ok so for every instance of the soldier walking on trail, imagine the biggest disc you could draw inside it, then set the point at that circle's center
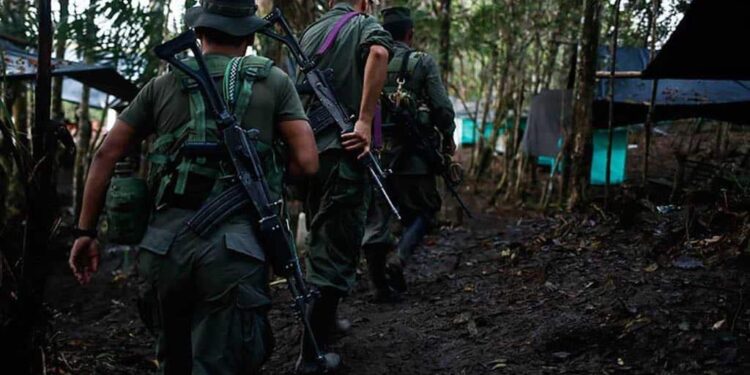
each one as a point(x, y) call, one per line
point(337, 197)
point(414, 87)
point(206, 296)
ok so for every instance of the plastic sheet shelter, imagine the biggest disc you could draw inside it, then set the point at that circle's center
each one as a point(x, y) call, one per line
point(707, 44)
point(18, 64)
point(676, 99)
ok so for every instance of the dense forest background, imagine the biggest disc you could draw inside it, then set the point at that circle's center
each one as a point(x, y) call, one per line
point(495, 56)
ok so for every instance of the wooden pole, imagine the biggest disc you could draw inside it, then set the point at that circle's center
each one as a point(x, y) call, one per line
point(610, 125)
point(654, 90)
point(40, 200)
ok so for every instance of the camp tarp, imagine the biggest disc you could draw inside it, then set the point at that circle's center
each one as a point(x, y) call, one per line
point(707, 44)
point(675, 99)
point(20, 65)
point(546, 113)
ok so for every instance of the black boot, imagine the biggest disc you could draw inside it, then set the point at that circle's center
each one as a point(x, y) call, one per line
point(376, 266)
point(322, 317)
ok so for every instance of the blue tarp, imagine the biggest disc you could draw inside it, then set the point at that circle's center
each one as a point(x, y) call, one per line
point(675, 99)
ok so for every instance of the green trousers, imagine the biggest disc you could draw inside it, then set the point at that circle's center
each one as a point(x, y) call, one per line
point(206, 298)
point(414, 195)
point(336, 207)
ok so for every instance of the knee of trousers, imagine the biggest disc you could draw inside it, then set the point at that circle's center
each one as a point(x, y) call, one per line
point(232, 335)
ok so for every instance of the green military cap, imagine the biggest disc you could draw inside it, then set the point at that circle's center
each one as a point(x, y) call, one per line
point(397, 16)
point(234, 17)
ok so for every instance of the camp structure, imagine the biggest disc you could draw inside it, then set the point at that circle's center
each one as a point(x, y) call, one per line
point(704, 44)
point(675, 99)
point(19, 64)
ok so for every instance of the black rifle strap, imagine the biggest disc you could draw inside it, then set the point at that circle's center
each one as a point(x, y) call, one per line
point(403, 73)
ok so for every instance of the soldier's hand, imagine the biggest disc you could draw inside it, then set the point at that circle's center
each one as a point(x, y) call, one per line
point(84, 258)
point(359, 139)
point(449, 147)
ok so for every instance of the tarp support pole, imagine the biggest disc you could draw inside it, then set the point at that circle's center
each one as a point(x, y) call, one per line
point(610, 124)
point(654, 89)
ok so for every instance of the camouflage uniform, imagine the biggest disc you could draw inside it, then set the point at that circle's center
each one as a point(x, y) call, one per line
point(207, 297)
point(337, 198)
point(413, 182)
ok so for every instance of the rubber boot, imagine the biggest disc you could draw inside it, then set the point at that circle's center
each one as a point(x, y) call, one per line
point(322, 317)
point(376, 267)
point(412, 237)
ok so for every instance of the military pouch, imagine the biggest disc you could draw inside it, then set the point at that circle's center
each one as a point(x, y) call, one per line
point(320, 119)
point(127, 210)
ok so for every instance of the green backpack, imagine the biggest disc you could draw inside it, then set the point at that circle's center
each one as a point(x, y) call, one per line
point(169, 170)
point(401, 102)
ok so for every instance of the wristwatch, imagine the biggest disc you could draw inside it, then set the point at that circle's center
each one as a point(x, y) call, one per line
point(78, 232)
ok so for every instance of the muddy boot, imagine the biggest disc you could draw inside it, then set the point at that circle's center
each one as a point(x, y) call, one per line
point(322, 317)
point(411, 238)
point(377, 270)
point(342, 326)
point(394, 273)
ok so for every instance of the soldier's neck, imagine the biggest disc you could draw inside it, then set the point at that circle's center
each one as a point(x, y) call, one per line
point(223, 50)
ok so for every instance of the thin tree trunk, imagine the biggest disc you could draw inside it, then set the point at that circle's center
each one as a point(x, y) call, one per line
point(654, 89)
point(611, 120)
point(60, 41)
point(83, 144)
point(583, 102)
point(445, 39)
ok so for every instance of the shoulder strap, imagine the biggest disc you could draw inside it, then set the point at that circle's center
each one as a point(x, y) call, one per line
point(403, 73)
point(333, 34)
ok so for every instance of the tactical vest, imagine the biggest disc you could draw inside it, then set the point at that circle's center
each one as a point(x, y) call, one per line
point(399, 94)
point(171, 172)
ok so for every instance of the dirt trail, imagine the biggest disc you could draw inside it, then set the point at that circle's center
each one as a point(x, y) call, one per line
point(510, 293)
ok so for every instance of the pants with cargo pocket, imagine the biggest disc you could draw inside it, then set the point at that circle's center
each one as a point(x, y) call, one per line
point(206, 297)
point(336, 207)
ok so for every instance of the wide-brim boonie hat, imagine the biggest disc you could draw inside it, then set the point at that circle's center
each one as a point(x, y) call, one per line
point(234, 17)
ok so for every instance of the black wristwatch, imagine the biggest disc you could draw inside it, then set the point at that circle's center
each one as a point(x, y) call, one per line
point(78, 232)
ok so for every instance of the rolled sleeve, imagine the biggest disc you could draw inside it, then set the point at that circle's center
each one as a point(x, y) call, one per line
point(374, 34)
point(289, 106)
point(140, 112)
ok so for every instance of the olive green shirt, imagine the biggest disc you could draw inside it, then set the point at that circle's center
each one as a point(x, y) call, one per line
point(163, 105)
point(426, 83)
point(347, 58)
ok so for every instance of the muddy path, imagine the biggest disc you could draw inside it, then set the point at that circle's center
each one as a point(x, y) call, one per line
point(509, 293)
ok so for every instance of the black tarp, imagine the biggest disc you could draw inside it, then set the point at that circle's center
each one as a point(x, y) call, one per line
point(675, 99)
point(21, 65)
point(707, 44)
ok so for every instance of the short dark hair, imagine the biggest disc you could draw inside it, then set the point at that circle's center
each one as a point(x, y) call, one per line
point(214, 36)
point(399, 30)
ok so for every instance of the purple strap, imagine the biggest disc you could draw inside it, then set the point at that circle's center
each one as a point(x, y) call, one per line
point(334, 33)
point(377, 128)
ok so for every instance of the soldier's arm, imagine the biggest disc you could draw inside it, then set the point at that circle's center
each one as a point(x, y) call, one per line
point(439, 102)
point(116, 145)
point(376, 70)
point(129, 129)
point(293, 127)
point(84, 256)
point(303, 152)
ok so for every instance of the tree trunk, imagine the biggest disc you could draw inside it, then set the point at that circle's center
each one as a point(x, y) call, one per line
point(156, 28)
point(60, 41)
point(583, 102)
point(83, 145)
point(445, 39)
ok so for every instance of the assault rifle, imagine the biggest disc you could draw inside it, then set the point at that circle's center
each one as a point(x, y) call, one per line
point(240, 145)
point(331, 110)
